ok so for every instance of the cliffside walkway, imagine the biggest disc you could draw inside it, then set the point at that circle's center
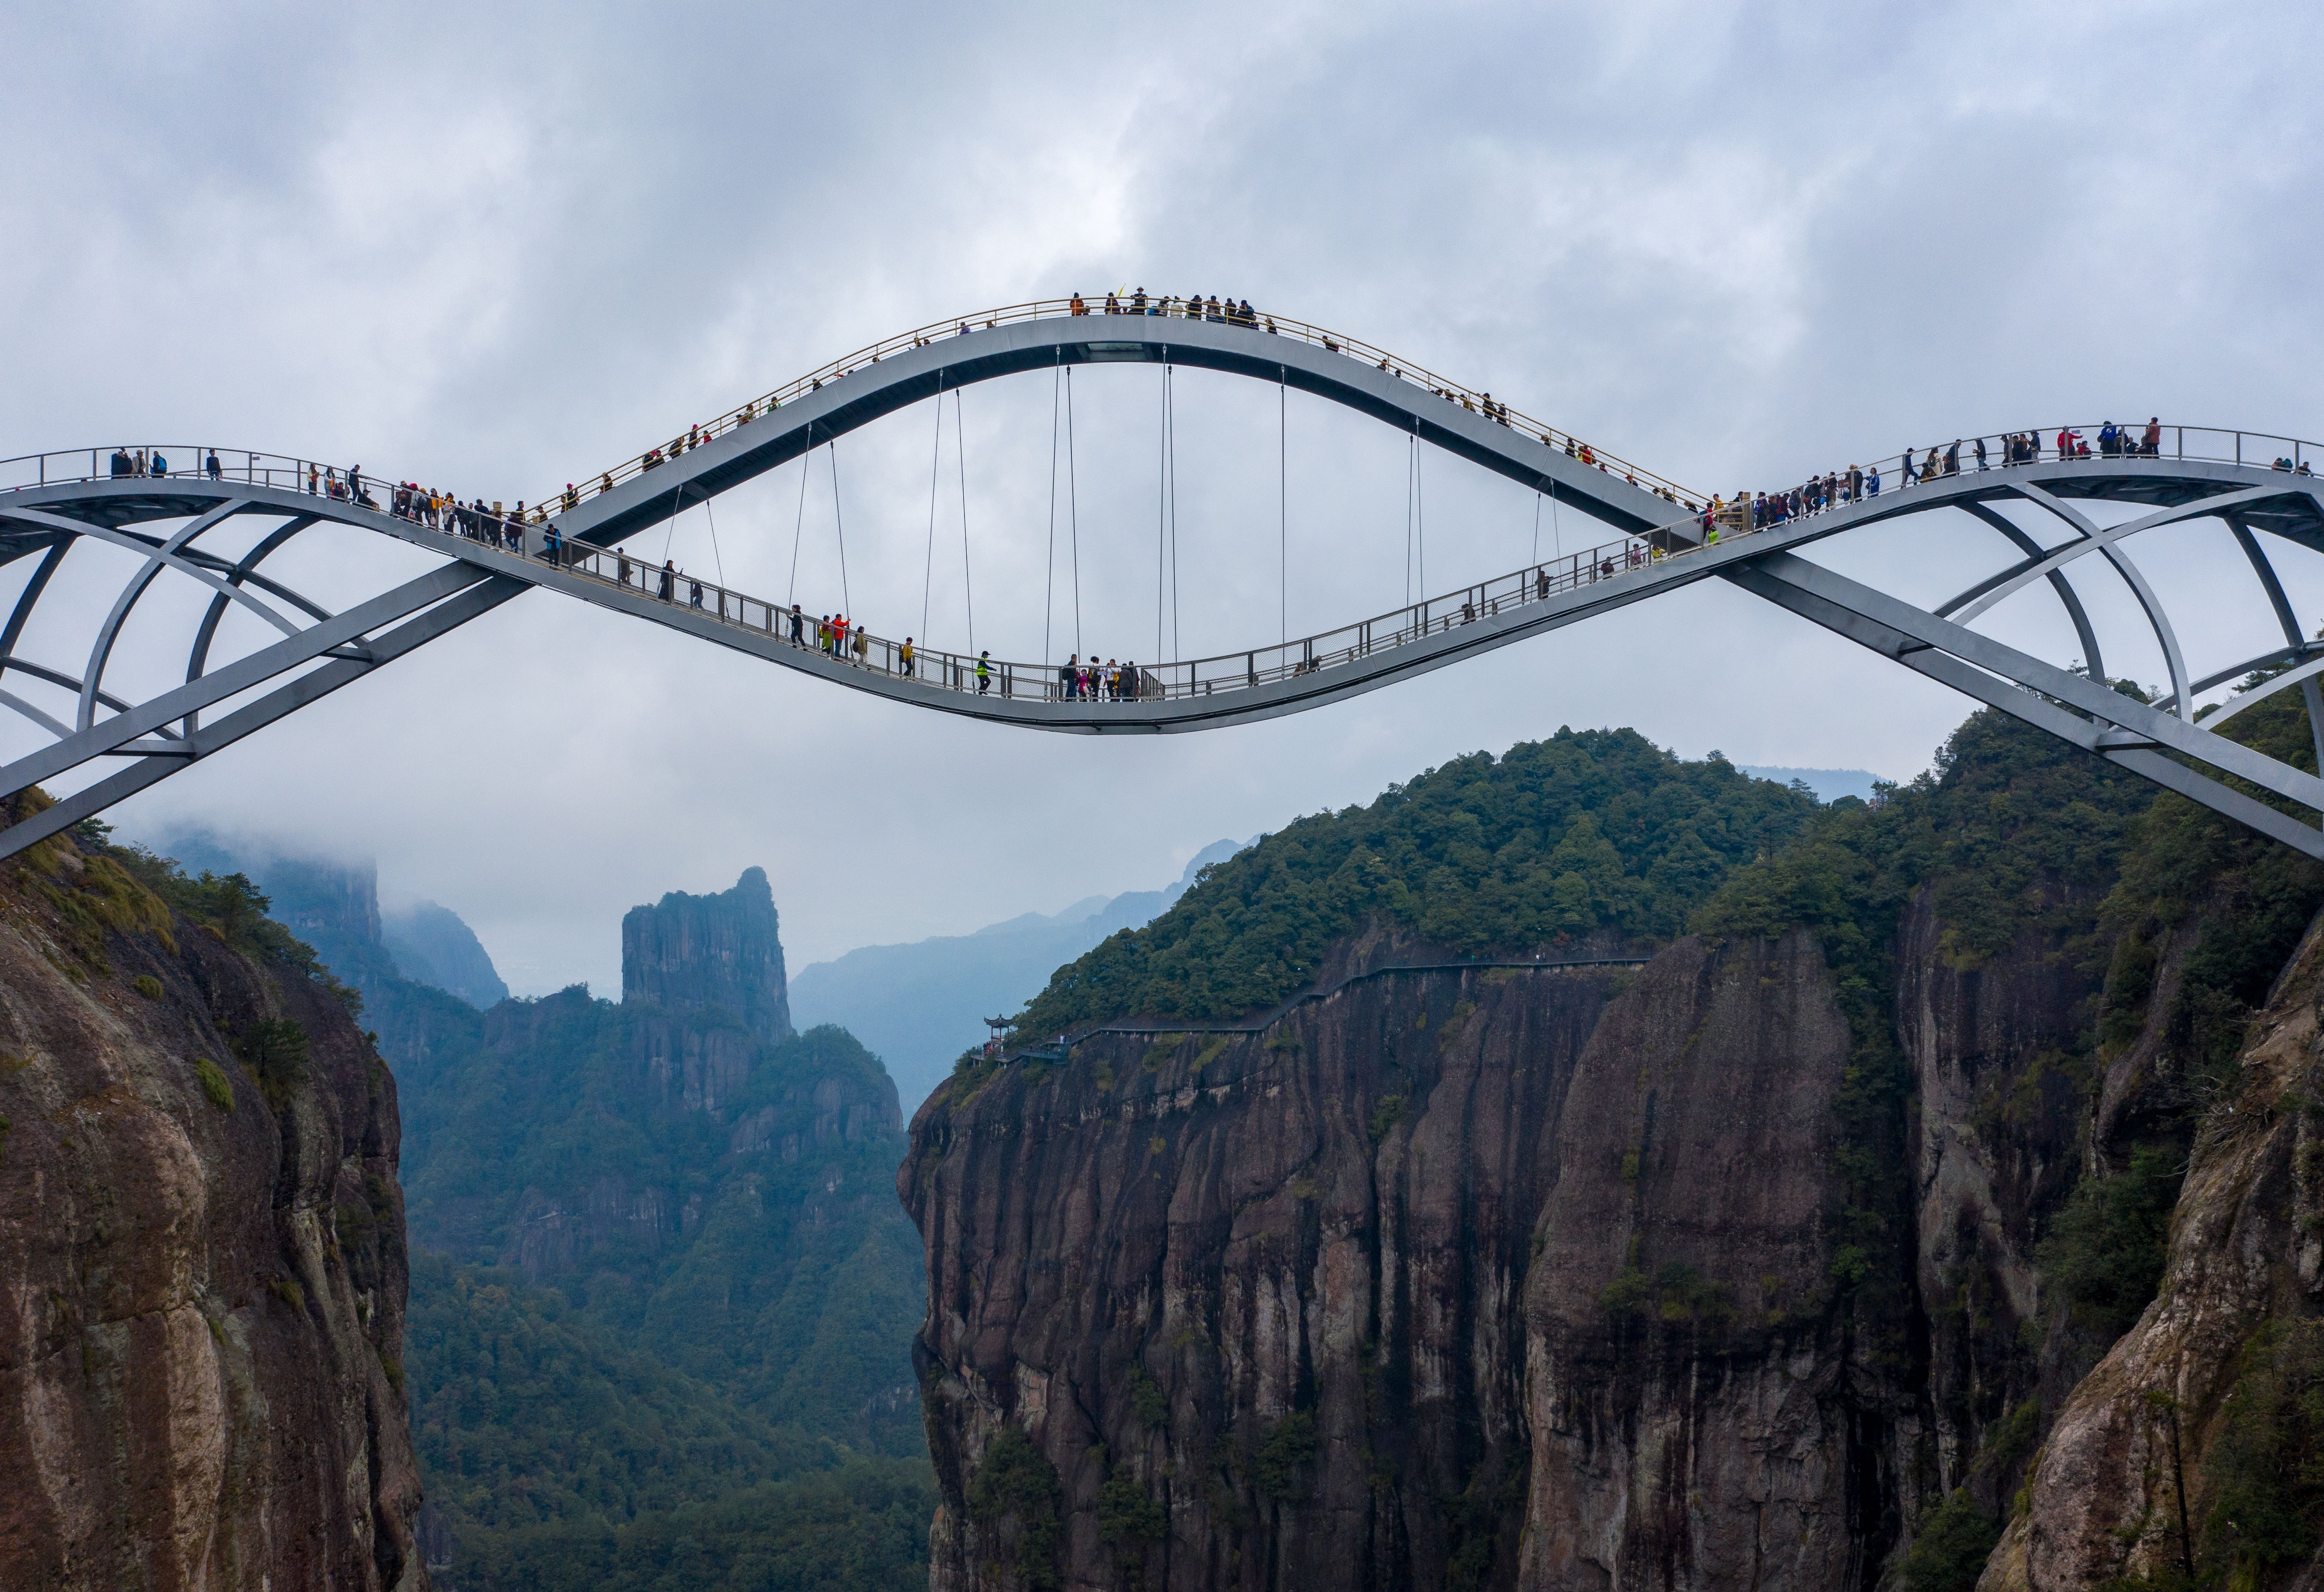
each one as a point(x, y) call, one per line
point(1061, 1047)
point(1658, 535)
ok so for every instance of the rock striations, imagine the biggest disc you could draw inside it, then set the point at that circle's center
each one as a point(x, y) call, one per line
point(1453, 1270)
point(1810, 1254)
point(201, 1252)
point(721, 952)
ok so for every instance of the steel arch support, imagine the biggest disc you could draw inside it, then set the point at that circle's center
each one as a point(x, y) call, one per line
point(2109, 543)
point(145, 546)
point(2029, 689)
point(151, 769)
point(198, 657)
point(2296, 643)
point(161, 558)
point(241, 674)
point(2070, 598)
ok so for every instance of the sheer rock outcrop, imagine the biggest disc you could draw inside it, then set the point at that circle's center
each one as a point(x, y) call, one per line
point(202, 1275)
point(701, 953)
point(1489, 1277)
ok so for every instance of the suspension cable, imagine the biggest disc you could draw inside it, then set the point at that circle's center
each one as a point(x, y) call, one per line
point(839, 524)
point(1049, 591)
point(806, 460)
point(1411, 463)
point(715, 556)
point(1169, 390)
point(1282, 509)
point(935, 453)
point(1161, 507)
point(1536, 557)
point(1073, 507)
point(960, 452)
point(1419, 514)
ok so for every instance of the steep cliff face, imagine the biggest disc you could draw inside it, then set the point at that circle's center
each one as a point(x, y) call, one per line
point(201, 1254)
point(2188, 1456)
point(1455, 1278)
point(723, 951)
point(1698, 1417)
point(1995, 1050)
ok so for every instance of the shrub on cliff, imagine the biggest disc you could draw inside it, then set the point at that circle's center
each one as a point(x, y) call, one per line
point(1588, 831)
point(2105, 1252)
point(1015, 1500)
point(1954, 1541)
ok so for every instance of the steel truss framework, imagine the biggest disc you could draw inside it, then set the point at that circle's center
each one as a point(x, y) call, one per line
point(163, 522)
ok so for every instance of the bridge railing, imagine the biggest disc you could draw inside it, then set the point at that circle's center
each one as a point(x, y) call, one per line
point(193, 461)
point(1127, 680)
point(1900, 472)
point(1210, 676)
point(1126, 306)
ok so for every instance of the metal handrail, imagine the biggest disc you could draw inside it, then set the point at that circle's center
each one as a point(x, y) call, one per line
point(1900, 472)
point(1017, 680)
point(1157, 306)
point(1179, 679)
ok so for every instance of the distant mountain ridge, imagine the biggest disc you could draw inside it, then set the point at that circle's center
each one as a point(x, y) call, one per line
point(333, 907)
point(919, 1006)
point(1829, 784)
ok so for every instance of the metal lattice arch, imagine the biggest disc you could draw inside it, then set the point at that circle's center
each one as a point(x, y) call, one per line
point(1656, 542)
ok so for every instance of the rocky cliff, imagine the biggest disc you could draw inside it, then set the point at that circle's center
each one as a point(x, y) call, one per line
point(2193, 1454)
point(1782, 1261)
point(1457, 1277)
point(692, 1186)
point(201, 1249)
point(723, 951)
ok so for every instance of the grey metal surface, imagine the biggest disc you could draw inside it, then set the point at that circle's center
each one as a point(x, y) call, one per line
point(321, 650)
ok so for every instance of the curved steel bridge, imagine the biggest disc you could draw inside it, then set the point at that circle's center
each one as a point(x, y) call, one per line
point(1659, 537)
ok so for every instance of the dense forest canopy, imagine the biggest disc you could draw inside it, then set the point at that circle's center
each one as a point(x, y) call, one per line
point(1589, 833)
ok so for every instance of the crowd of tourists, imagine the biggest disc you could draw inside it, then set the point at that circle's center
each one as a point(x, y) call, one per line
point(1758, 511)
point(1092, 681)
point(1222, 312)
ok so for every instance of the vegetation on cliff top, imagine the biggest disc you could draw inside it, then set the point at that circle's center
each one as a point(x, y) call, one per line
point(1588, 833)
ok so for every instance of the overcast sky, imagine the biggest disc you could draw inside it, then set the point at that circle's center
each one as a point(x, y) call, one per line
point(497, 248)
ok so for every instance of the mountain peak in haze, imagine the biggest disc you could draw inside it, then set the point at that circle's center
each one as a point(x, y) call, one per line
point(693, 952)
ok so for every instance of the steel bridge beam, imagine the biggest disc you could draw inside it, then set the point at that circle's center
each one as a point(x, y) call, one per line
point(2024, 687)
point(336, 648)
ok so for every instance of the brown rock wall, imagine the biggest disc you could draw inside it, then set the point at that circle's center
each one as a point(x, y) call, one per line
point(2103, 1499)
point(1464, 1278)
point(201, 1309)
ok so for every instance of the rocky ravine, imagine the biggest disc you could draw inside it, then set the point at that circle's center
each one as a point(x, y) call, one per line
point(201, 1278)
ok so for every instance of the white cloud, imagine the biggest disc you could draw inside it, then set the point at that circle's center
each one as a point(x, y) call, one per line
point(500, 249)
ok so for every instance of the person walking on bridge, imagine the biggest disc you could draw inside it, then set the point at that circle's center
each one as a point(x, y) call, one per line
point(1069, 678)
point(669, 579)
point(983, 672)
point(904, 657)
point(798, 624)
